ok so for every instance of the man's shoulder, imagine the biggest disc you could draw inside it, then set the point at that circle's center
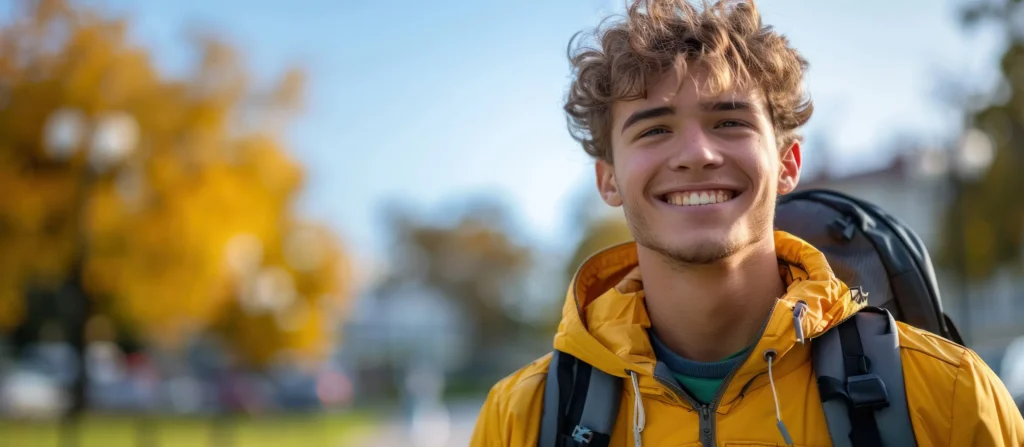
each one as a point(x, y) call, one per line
point(948, 382)
point(931, 357)
point(511, 413)
point(524, 383)
point(919, 343)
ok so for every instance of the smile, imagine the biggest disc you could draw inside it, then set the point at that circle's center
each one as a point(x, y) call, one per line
point(698, 197)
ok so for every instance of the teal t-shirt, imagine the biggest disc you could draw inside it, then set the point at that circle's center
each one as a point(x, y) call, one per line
point(700, 379)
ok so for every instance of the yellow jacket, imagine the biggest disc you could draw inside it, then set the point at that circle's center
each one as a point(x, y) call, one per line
point(953, 396)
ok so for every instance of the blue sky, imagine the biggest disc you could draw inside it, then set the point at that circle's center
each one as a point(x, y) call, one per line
point(431, 102)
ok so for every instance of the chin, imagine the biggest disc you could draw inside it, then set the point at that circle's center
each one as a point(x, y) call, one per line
point(699, 252)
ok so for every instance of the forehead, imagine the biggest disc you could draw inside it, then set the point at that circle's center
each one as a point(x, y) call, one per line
point(687, 90)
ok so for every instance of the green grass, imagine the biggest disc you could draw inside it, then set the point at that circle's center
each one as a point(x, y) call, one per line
point(110, 431)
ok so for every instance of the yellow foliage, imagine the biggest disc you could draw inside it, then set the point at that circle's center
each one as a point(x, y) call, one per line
point(157, 226)
point(302, 326)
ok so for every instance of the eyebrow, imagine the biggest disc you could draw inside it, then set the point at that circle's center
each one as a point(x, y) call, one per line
point(716, 106)
point(647, 114)
point(726, 106)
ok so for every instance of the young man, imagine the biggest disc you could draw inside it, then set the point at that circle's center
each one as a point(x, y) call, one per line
point(691, 113)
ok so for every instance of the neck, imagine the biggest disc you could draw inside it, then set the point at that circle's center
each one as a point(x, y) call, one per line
point(708, 312)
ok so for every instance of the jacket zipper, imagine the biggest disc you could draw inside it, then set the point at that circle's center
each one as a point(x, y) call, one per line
point(707, 412)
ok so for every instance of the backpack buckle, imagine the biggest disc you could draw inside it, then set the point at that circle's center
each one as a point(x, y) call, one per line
point(841, 229)
point(867, 391)
point(582, 434)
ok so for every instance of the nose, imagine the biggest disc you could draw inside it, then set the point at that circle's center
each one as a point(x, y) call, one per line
point(694, 150)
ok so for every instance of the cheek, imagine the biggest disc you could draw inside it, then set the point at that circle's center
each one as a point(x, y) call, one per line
point(634, 173)
point(765, 163)
point(755, 164)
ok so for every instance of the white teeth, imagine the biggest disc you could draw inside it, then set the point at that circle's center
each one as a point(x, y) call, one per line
point(694, 198)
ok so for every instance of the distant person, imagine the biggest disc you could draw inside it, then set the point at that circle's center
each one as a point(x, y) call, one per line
point(691, 113)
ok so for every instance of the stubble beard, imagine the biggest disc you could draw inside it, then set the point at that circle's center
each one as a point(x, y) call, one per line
point(704, 252)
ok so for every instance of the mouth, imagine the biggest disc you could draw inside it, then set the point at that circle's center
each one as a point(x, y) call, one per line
point(696, 198)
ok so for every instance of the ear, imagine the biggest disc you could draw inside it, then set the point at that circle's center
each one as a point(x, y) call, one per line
point(606, 183)
point(789, 168)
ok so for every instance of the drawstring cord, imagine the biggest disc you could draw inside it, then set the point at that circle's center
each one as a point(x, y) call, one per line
point(639, 418)
point(798, 319)
point(769, 355)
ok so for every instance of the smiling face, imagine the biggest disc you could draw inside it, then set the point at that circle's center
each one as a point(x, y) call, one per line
point(696, 174)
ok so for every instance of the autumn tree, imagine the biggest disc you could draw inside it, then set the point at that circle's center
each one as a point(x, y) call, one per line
point(193, 227)
point(473, 261)
point(284, 310)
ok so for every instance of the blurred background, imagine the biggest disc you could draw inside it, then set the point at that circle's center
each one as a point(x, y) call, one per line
point(338, 223)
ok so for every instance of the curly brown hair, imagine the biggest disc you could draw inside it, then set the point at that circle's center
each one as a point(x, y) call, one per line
point(655, 36)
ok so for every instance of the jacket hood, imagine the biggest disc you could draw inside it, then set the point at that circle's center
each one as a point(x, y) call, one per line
point(605, 322)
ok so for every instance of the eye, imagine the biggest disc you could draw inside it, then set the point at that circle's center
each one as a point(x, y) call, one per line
point(653, 132)
point(732, 123)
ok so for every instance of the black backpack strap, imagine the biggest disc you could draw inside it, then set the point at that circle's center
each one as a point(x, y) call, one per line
point(860, 380)
point(954, 333)
point(581, 404)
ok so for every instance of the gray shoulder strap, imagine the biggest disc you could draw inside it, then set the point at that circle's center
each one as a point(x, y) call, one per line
point(600, 403)
point(880, 340)
point(549, 417)
point(601, 407)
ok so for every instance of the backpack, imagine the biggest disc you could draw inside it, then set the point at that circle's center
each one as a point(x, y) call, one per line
point(857, 363)
point(869, 248)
